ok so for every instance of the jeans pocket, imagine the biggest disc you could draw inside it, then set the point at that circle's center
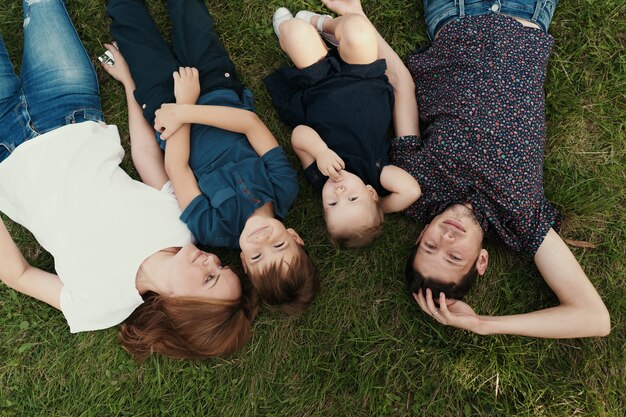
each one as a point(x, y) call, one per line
point(5, 150)
point(85, 115)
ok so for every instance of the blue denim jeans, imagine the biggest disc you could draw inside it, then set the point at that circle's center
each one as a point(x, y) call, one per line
point(439, 12)
point(57, 84)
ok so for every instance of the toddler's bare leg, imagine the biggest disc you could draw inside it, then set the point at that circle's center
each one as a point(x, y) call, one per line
point(357, 38)
point(302, 43)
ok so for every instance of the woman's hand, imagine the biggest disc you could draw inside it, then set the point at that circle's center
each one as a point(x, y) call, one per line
point(342, 7)
point(168, 119)
point(186, 85)
point(451, 312)
point(330, 164)
point(119, 70)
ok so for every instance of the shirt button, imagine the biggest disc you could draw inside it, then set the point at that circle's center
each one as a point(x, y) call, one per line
point(495, 8)
point(226, 74)
point(143, 106)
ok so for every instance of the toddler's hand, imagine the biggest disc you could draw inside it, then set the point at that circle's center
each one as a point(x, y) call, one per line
point(119, 70)
point(330, 164)
point(186, 85)
point(168, 119)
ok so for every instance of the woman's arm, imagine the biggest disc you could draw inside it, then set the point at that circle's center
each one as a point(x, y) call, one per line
point(310, 147)
point(403, 187)
point(580, 313)
point(145, 151)
point(16, 273)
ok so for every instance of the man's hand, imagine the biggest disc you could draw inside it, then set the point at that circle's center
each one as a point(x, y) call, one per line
point(342, 7)
point(119, 70)
point(168, 119)
point(186, 85)
point(451, 312)
point(330, 164)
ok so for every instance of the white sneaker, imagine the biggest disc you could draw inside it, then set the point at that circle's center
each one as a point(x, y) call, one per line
point(307, 16)
point(282, 14)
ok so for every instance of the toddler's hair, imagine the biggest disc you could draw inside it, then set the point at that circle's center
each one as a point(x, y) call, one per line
point(290, 289)
point(360, 235)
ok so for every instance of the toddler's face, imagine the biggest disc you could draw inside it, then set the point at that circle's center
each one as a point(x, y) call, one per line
point(348, 202)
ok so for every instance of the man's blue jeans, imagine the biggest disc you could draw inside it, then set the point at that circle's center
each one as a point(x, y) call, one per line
point(57, 84)
point(439, 12)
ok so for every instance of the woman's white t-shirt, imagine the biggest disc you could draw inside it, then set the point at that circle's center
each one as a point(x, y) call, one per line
point(67, 188)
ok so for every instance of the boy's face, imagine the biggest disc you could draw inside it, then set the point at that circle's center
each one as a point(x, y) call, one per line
point(348, 202)
point(265, 241)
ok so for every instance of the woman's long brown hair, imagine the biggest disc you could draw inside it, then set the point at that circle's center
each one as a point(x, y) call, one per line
point(189, 327)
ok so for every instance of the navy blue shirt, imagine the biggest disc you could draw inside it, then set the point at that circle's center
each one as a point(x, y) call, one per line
point(350, 106)
point(479, 89)
point(233, 179)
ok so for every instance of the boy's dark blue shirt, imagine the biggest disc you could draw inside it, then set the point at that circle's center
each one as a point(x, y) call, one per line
point(233, 179)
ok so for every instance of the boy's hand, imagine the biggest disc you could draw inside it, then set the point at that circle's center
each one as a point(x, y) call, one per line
point(119, 70)
point(330, 164)
point(186, 85)
point(342, 7)
point(168, 119)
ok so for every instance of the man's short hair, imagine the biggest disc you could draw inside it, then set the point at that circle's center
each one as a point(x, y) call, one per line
point(416, 282)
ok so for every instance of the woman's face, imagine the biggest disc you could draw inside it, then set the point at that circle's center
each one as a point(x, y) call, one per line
point(196, 273)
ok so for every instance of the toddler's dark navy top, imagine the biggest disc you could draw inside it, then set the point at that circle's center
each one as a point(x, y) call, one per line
point(233, 179)
point(479, 89)
point(349, 106)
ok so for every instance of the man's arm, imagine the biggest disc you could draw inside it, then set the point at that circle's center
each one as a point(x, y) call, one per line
point(580, 313)
point(145, 151)
point(16, 273)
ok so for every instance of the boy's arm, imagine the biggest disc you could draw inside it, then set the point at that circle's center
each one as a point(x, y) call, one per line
point(145, 151)
point(310, 147)
point(405, 114)
point(403, 187)
point(171, 116)
point(186, 91)
point(16, 273)
point(581, 312)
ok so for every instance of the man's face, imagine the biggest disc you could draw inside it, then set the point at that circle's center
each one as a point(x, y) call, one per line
point(450, 245)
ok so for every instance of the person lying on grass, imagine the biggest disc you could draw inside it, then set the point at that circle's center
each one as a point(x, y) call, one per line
point(340, 103)
point(120, 252)
point(232, 181)
point(479, 90)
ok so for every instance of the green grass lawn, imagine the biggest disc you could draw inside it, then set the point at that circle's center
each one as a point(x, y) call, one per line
point(364, 349)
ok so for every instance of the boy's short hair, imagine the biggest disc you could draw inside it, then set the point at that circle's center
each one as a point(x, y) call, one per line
point(290, 289)
point(362, 235)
